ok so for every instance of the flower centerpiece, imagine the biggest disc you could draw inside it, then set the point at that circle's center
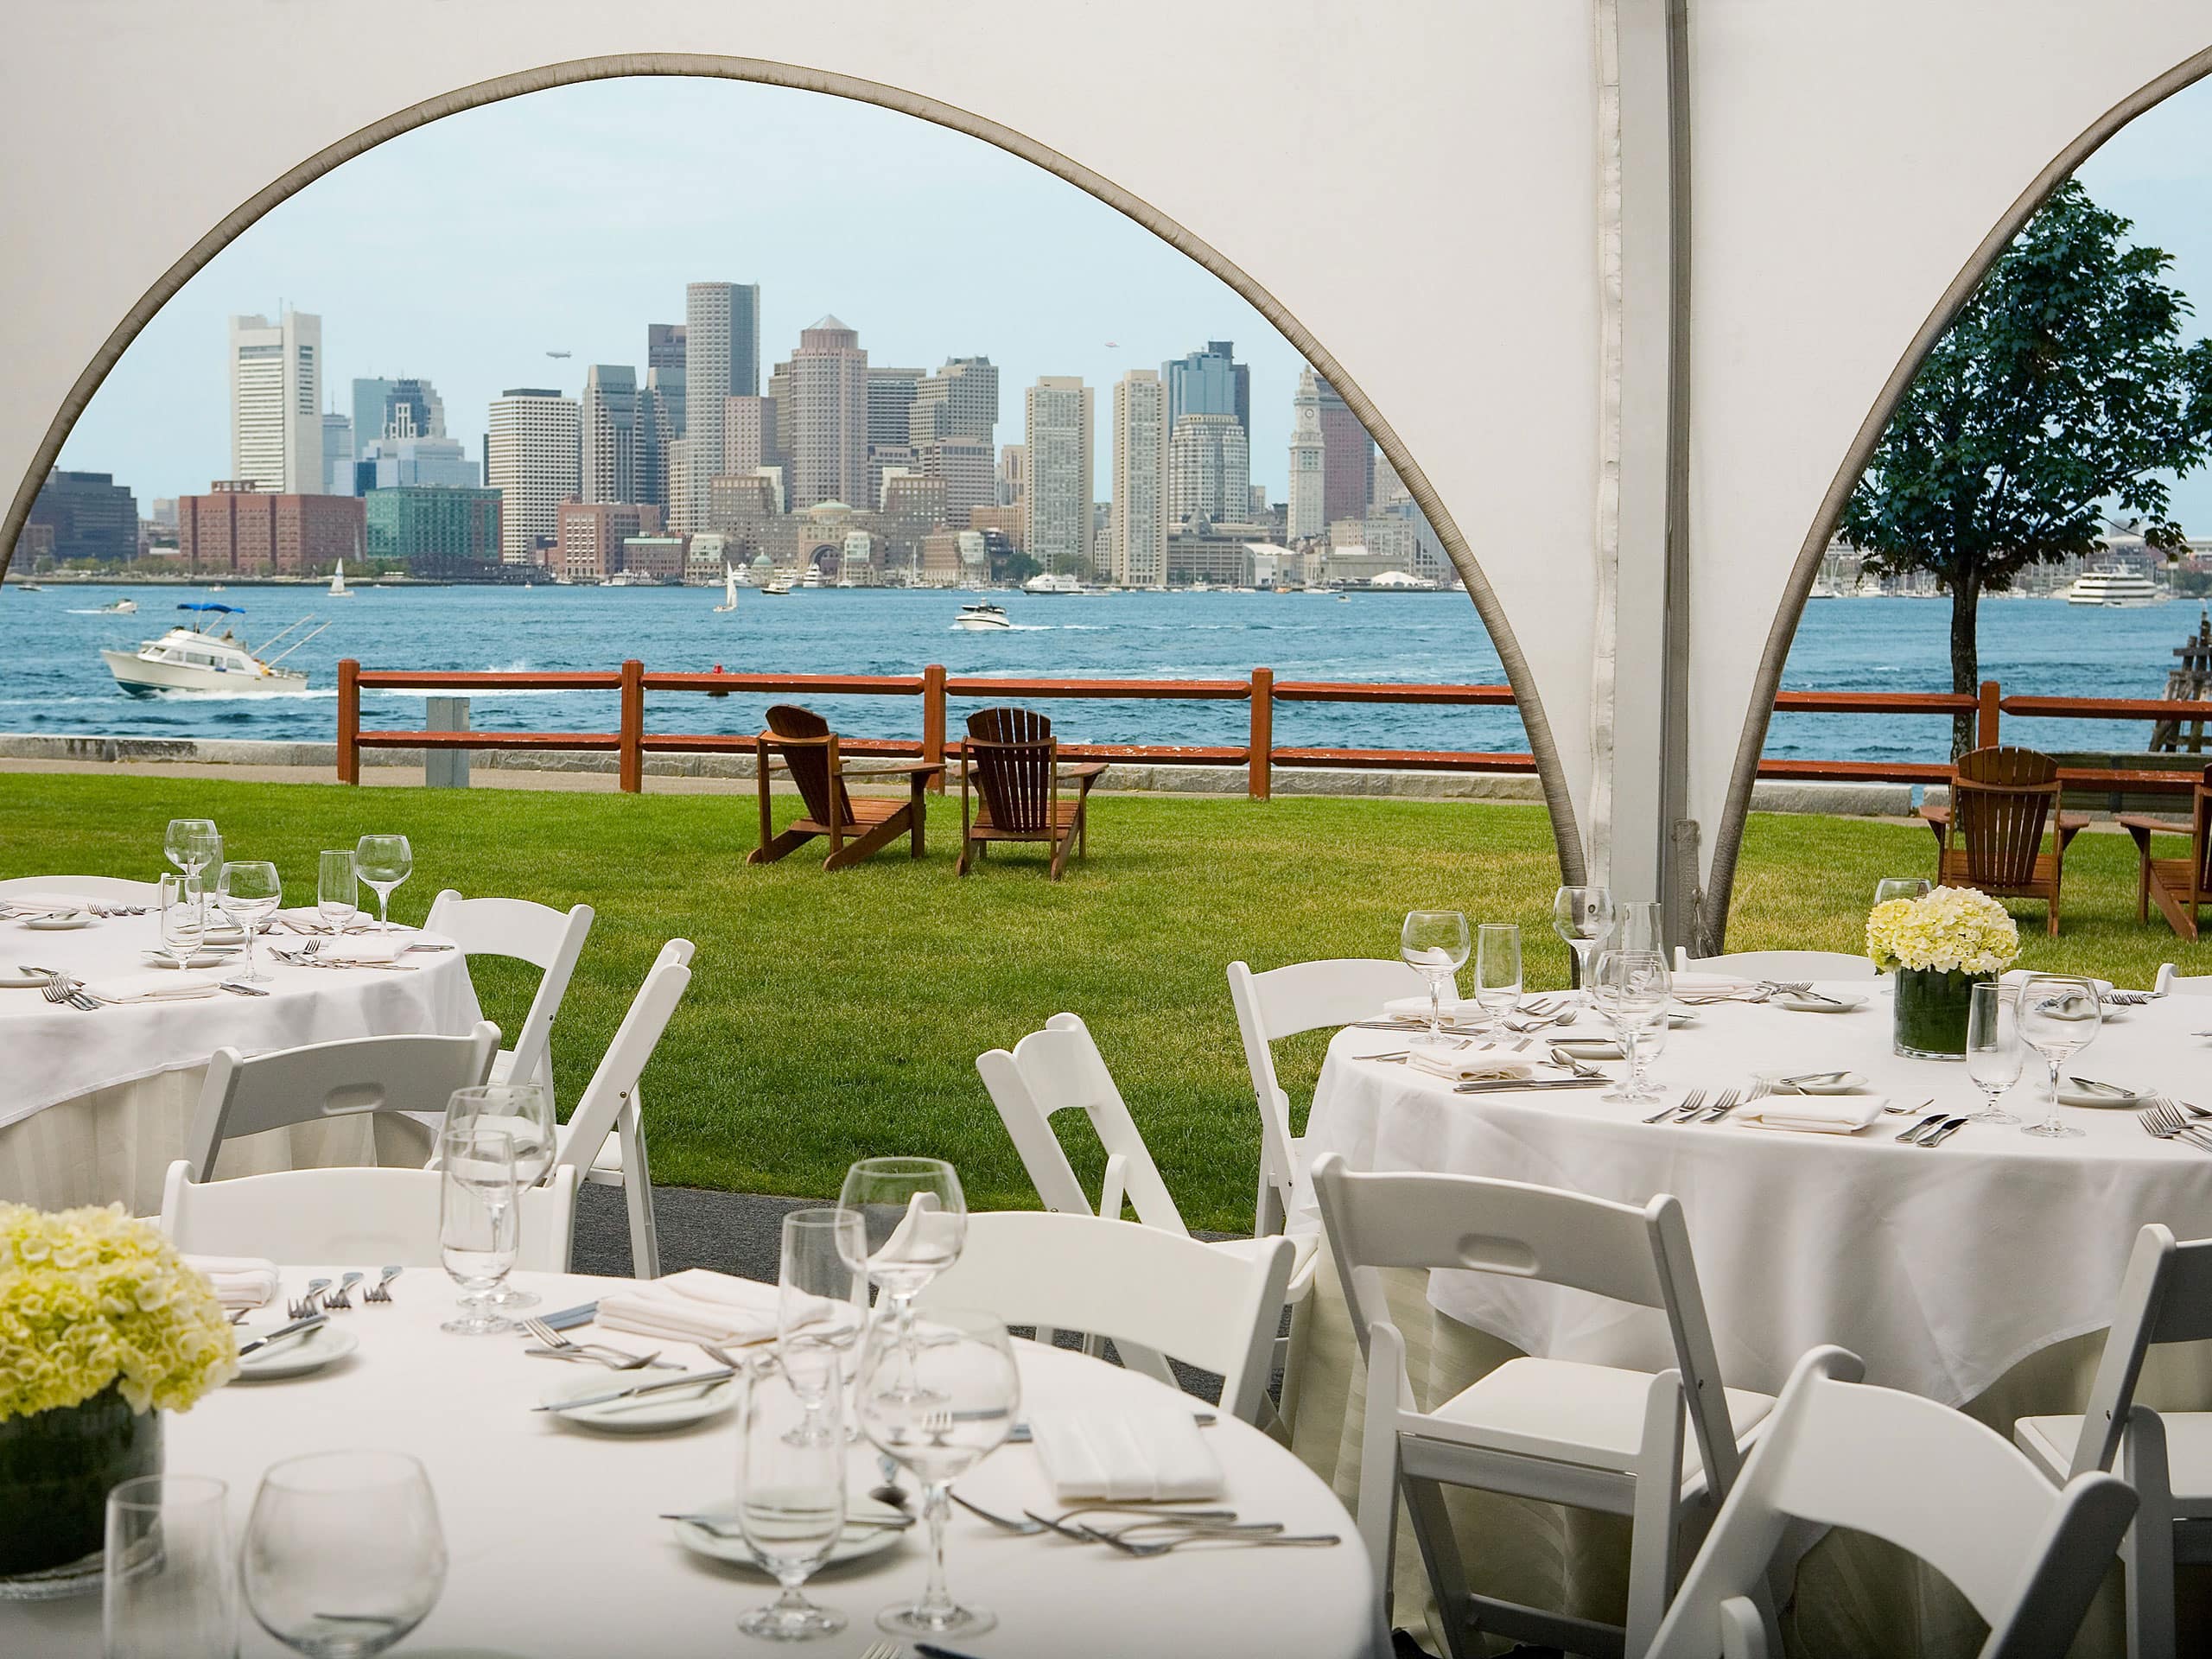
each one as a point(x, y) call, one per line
point(102, 1324)
point(1938, 946)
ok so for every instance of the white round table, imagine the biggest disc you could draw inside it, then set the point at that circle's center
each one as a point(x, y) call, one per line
point(556, 1549)
point(93, 1106)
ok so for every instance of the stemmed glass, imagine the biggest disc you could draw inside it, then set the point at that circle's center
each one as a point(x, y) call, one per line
point(1434, 945)
point(791, 1495)
point(524, 1113)
point(2059, 1015)
point(938, 1405)
point(168, 1587)
point(193, 845)
point(1643, 925)
point(821, 1305)
point(1633, 991)
point(1993, 1056)
point(1583, 917)
point(479, 1227)
point(384, 863)
point(1497, 973)
point(343, 1553)
point(183, 924)
point(1892, 887)
point(913, 1222)
point(337, 890)
point(248, 892)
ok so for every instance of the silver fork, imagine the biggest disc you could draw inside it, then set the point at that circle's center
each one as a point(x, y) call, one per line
point(880, 1650)
point(2164, 1122)
point(1760, 1088)
point(381, 1291)
point(60, 988)
point(620, 1359)
point(343, 1297)
point(1688, 1103)
point(305, 1305)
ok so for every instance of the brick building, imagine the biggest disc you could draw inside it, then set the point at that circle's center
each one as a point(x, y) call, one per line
point(239, 529)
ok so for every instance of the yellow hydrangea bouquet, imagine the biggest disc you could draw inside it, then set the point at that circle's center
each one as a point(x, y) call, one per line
point(1938, 946)
point(102, 1324)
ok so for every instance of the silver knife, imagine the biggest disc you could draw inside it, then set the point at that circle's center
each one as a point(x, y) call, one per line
point(1509, 1086)
point(2096, 1087)
point(296, 1328)
point(695, 1379)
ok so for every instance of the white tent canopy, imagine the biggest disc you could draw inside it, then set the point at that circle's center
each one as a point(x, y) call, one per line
point(1671, 256)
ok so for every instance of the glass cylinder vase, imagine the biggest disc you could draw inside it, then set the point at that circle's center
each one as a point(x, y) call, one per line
point(1931, 1009)
point(57, 1470)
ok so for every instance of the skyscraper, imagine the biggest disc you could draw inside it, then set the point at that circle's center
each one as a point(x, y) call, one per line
point(1209, 470)
point(1347, 459)
point(1013, 475)
point(531, 460)
point(276, 403)
point(826, 440)
point(337, 452)
point(660, 427)
point(891, 394)
point(961, 400)
point(1308, 512)
point(1138, 528)
point(748, 436)
point(368, 413)
point(964, 465)
point(1210, 382)
point(721, 358)
point(609, 451)
point(1056, 519)
point(664, 347)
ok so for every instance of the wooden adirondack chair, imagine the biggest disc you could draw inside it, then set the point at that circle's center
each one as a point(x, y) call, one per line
point(2179, 884)
point(2002, 799)
point(1015, 760)
point(856, 828)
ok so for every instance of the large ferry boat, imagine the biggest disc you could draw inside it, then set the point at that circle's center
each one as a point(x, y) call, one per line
point(194, 659)
point(1052, 583)
point(2115, 587)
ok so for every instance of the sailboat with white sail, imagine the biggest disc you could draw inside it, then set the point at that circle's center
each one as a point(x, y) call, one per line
point(338, 587)
point(730, 591)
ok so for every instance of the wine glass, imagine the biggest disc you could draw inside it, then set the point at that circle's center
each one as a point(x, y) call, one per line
point(1497, 973)
point(1643, 925)
point(248, 892)
point(478, 1224)
point(821, 1304)
point(2059, 1015)
point(791, 1495)
point(337, 890)
point(524, 1113)
point(193, 845)
point(1633, 991)
point(168, 1587)
point(343, 1553)
point(938, 1405)
point(1583, 917)
point(913, 1222)
point(1993, 1056)
point(384, 863)
point(1434, 944)
point(1892, 887)
point(183, 923)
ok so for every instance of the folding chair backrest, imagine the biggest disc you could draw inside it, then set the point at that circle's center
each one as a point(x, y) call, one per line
point(326, 1080)
point(548, 939)
point(106, 889)
point(809, 760)
point(616, 1079)
point(1013, 753)
point(1779, 964)
point(1929, 1480)
point(2001, 800)
point(327, 1217)
point(1060, 1069)
point(1207, 1307)
point(2164, 1296)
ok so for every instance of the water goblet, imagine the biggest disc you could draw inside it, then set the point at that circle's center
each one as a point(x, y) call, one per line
point(2059, 1015)
point(821, 1304)
point(1993, 1056)
point(183, 923)
point(193, 845)
point(791, 1495)
point(1633, 991)
point(1434, 944)
point(1497, 973)
point(1891, 888)
point(913, 1222)
point(337, 890)
point(343, 1553)
point(1583, 917)
point(524, 1113)
point(1643, 926)
point(169, 1588)
point(248, 892)
point(384, 863)
point(478, 1222)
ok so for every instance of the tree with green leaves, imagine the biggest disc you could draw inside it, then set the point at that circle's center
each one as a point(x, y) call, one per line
point(2060, 393)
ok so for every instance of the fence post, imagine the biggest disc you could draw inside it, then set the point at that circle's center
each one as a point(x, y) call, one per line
point(1259, 765)
point(1985, 727)
point(933, 721)
point(349, 722)
point(633, 751)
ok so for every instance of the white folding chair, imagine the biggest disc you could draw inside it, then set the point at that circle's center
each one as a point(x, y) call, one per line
point(546, 938)
point(605, 1137)
point(2174, 982)
point(2166, 1296)
point(1929, 1480)
point(376, 1216)
point(1139, 1285)
point(325, 1080)
point(1280, 1003)
point(1596, 1437)
point(106, 889)
point(1779, 964)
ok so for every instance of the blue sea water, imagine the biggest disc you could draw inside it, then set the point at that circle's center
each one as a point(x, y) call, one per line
point(54, 682)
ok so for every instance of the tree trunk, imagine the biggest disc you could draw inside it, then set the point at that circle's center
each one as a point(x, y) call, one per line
point(1966, 656)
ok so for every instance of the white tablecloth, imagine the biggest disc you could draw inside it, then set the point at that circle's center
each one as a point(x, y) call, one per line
point(94, 1105)
point(1941, 1268)
point(556, 1551)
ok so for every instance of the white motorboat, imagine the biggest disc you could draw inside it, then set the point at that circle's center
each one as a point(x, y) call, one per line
point(980, 618)
point(730, 591)
point(776, 586)
point(195, 660)
point(338, 587)
point(1049, 583)
point(120, 607)
point(812, 578)
point(2115, 587)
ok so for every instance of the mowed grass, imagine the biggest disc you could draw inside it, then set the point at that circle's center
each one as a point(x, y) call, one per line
point(832, 1017)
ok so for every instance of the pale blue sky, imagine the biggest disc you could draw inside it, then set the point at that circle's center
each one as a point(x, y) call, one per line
point(570, 219)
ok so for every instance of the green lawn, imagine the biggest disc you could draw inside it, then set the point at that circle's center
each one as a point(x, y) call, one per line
point(837, 1016)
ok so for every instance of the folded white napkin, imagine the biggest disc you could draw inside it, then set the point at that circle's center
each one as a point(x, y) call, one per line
point(925, 1233)
point(694, 1305)
point(53, 904)
point(1711, 987)
point(1121, 1457)
point(240, 1280)
point(1816, 1114)
point(1484, 1063)
point(378, 947)
point(1455, 1012)
point(170, 986)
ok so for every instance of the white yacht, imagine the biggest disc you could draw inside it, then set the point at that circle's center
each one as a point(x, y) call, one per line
point(194, 659)
point(1050, 583)
point(730, 591)
point(776, 586)
point(979, 619)
point(338, 587)
point(120, 607)
point(812, 578)
point(2115, 587)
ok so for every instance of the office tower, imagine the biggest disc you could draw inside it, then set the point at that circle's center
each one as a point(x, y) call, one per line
point(660, 426)
point(531, 458)
point(407, 407)
point(826, 443)
point(337, 454)
point(1013, 475)
point(443, 532)
point(591, 534)
point(665, 348)
point(961, 400)
point(1390, 490)
point(1308, 509)
point(1347, 459)
point(748, 436)
point(1055, 522)
point(1210, 382)
point(891, 395)
point(86, 516)
point(1137, 532)
point(369, 396)
point(405, 463)
point(276, 403)
point(721, 358)
point(964, 465)
point(1209, 470)
point(609, 451)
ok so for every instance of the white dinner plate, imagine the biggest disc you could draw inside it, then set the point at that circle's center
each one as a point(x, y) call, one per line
point(679, 1410)
point(1846, 1082)
point(1589, 1048)
point(58, 924)
point(1797, 1004)
point(1456, 1012)
point(296, 1355)
point(2070, 1095)
point(860, 1540)
point(213, 957)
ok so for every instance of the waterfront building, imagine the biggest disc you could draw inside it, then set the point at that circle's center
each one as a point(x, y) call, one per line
point(886, 461)
point(1137, 532)
point(738, 500)
point(826, 443)
point(531, 459)
point(337, 454)
point(1347, 459)
point(775, 477)
point(1004, 522)
point(82, 516)
point(276, 403)
point(238, 530)
point(654, 558)
point(953, 558)
point(1209, 470)
point(912, 495)
point(664, 348)
point(660, 426)
point(1012, 474)
point(1308, 505)
point(1210, 382)
point(721, 358)
point(439, 530)
point(1219, 555)
point(591, 535)
point(705, 556)
point(963, 465)
point(608, 452)
point(1057, 502)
